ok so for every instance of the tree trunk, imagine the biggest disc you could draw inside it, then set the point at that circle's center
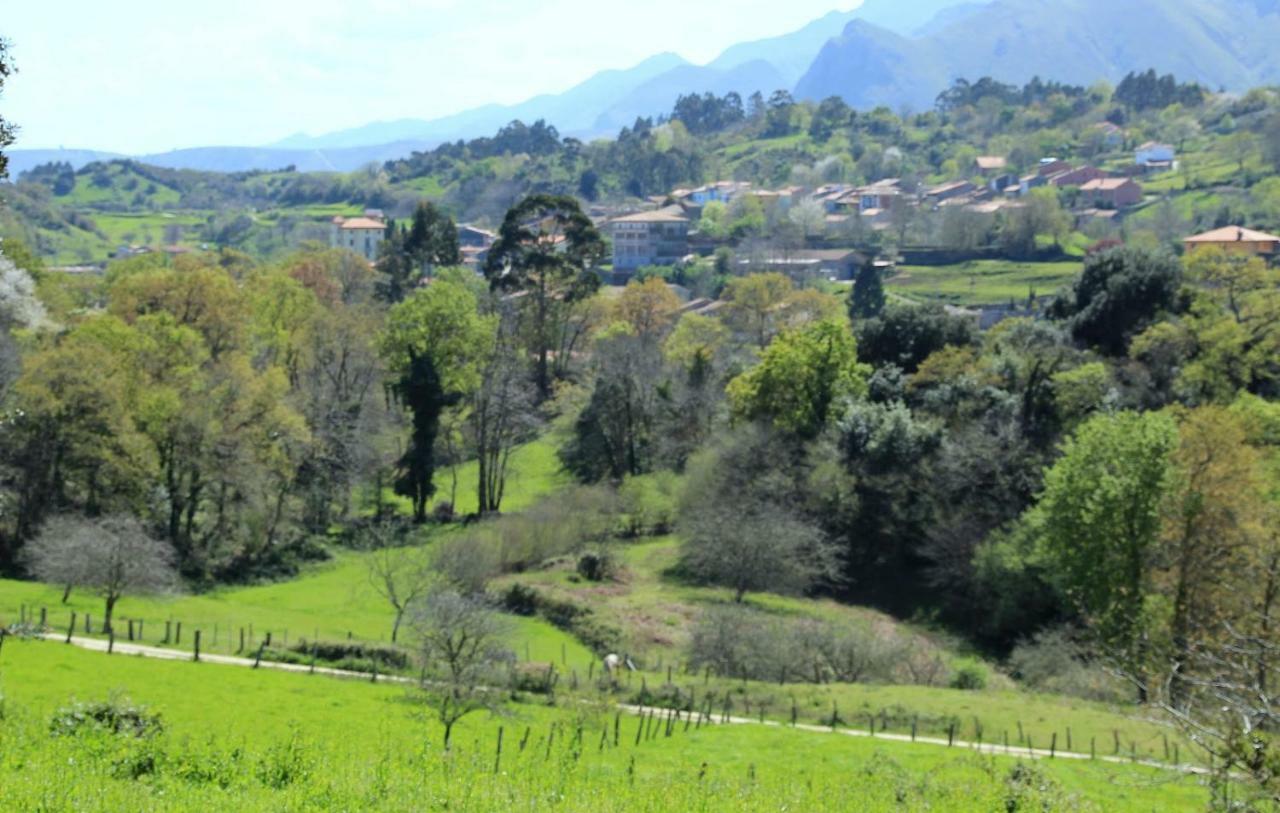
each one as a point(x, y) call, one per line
point(395, 626)
point(66, 594)
point(106, 618)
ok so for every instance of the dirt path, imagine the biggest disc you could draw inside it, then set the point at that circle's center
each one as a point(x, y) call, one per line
point(993, 749)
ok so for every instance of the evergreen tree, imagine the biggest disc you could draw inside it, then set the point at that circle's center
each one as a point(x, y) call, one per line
point(866, 300)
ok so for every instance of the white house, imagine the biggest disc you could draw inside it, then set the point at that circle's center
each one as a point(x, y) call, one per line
point(363, 235)
point(1153, 154)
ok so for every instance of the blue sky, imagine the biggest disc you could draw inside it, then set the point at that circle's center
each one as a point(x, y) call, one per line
point(152, 75)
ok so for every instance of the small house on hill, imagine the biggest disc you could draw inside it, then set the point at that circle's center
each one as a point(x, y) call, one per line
point(1155, 156)
point(1235, 240)
point(989, 165)
point(1112, 193)
point(363, 235)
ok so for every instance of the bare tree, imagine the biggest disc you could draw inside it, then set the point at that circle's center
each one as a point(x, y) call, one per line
point(755, 548)
point(500, 418)
point(743, 523)
point(460, 645)
point(400, 574)
point(113, 556)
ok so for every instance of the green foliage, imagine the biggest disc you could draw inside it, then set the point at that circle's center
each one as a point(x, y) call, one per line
point(866, 298)
point(1100, 517)
point(1120, 293)
point(906, 335)
point(802, 379)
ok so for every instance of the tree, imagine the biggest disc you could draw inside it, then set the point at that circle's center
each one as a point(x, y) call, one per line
point(831, 115)
point(753, 302)
point(546, 248)
point(1100, 522)
point(1214, 529)
point(1120, 293)
point(7, 130)
point(866, 298)
point(614, 436)
point(500, 416)
point(1271, 139)
point(401, 574)
point(801, 379)
point(906, 335)
point(432, 239)
point(740, 525)
point(810, 216)
point(113, 556)
point(649, 307)
point(434, 344)
point(459, 642)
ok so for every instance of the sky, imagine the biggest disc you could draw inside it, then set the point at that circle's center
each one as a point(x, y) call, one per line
point(140, 76)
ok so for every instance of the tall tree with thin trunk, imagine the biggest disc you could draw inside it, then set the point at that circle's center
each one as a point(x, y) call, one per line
point(113, 556)
point(546, 249)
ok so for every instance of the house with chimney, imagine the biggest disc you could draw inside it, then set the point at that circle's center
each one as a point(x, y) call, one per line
point(1235, 240)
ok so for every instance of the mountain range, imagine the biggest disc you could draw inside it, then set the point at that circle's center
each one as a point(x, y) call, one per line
point(900, 53)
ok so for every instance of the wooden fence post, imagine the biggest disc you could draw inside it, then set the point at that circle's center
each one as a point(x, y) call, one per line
point(44, 617)
point(1053, 745)
point(71, 629)
point(196, 652)
point(177, 633)
point(241, 649)
point(951, 735)
point(130, 629)
point(87, 625)
point(497, 759)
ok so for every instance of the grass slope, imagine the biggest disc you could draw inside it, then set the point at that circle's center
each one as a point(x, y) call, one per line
point(238, 739)
point(982, 282)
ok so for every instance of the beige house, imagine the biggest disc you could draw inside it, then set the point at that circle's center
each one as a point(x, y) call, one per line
point(363, 235)
point(1235, 240)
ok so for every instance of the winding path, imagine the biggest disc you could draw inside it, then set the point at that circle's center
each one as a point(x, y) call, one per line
point(139, 650)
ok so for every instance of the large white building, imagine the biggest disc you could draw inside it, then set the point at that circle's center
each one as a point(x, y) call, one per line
point(363, 235)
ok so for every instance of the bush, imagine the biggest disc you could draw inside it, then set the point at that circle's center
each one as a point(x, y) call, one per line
point(117, 715)
point(969, 676)
point(352, 656)
point(598, 565)
point(649, 504)
point(1054, 662)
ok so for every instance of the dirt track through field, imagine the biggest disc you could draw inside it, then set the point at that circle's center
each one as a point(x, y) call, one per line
point(993, 749)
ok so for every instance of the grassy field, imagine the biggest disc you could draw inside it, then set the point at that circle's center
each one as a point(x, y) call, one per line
point(259, 740)
point(982, 282)
point(333, 600)
point(656, 612)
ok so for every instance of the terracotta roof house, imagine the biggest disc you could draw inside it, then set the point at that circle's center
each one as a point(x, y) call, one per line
point(1077, 177)
point(1112, 193)
point(1235, 240)
point(363, 235)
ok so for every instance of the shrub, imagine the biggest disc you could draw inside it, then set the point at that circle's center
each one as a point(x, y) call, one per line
point(117, 715)
point(649, 504)
point(352, 656)
point(1054, 662)
point(597, 565)
point(969, 676)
